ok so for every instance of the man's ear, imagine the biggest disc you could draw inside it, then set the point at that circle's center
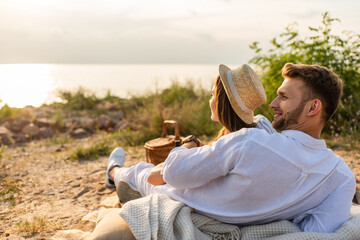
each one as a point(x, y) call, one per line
point(315, 108)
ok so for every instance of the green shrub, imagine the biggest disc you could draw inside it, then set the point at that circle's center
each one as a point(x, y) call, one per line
point(341, 54)
point(188, 105)
point(6, 111)
point(94, 151)
point(81, 99)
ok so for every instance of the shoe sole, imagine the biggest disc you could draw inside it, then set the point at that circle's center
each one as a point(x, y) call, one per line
point(126, 193)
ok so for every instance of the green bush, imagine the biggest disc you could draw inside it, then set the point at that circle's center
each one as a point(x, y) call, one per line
point(188, 105)
point(94, 151)
point(81, 99)
point(6, 111)
point(341, 54)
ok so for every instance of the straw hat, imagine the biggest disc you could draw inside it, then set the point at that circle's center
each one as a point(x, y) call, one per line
point(244, 90)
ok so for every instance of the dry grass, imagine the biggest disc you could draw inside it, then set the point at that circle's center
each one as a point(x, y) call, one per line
point(37, 224)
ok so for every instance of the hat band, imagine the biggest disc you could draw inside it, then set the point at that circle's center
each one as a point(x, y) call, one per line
point(236, 94)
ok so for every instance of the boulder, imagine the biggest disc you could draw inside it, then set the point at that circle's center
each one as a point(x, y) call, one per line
point(121, 126)
point(108, 106)
point(79, 133)
point(7, 120)
point(5, 136)
point(18, 124)
point(46, 132)
point(86, 123)
point(104, 122)
point(19, 138)
point(31, 130)
point(45, 122)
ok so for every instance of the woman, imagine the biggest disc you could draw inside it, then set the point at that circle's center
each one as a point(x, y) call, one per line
point(235, 96)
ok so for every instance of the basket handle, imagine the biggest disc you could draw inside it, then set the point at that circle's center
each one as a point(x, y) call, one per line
point(164, 132)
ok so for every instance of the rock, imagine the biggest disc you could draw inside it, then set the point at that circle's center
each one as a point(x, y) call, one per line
point(104, 122)
point(19, 138)
point(85, 225)
point(117, 116)
point(18, 125)
point(46, 132)
point(45, 122)
point(110, 202)
point(86, 123)
point(108, 106)
point(121, 126)
point(31, 130)
point(79, 133)
point(7, 120)
point(6, 136)
point(71, 234)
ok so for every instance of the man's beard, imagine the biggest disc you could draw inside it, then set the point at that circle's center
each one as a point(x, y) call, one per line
point(292, 117)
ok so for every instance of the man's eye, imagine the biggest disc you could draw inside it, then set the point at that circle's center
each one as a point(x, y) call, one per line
point(284, 97)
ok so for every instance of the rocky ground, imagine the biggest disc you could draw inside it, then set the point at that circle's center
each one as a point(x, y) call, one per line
point(43, 190)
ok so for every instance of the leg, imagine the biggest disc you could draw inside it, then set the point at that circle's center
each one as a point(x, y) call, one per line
point(111, 226)
point(136, 175)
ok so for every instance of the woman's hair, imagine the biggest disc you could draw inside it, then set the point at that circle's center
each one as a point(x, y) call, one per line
point(230, 121)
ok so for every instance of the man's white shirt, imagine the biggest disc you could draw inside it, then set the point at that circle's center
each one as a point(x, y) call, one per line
point(256, 176)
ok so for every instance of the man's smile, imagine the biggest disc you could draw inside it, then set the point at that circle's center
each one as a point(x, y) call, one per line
point(277, 114)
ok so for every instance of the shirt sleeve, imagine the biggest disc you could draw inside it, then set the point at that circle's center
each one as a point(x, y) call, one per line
point(191, 168)
point(330, 214)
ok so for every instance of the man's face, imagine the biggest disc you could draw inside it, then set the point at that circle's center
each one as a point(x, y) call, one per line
point(288, 105)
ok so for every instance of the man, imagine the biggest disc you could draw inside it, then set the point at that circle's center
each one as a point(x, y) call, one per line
point(289, 175)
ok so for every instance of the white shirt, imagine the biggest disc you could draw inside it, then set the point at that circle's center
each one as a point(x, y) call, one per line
point(253, 177)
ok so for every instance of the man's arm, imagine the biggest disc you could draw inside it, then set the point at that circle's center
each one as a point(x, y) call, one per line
point(330, 214)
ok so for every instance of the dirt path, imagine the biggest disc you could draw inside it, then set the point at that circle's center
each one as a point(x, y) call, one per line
point(42, 190)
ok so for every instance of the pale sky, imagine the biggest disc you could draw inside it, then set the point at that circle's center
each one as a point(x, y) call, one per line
point(154, 31)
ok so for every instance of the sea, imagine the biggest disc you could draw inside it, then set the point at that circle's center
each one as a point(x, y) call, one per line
point(35, 84)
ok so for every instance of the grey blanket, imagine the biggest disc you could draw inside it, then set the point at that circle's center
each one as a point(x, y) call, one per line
point(159, 217)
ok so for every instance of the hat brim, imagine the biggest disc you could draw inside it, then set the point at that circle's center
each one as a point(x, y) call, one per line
point(246, 117)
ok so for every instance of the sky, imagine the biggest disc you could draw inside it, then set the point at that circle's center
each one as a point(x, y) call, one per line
point(154, 31)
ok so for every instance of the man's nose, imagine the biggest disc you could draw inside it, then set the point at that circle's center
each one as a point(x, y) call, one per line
point(274, 103)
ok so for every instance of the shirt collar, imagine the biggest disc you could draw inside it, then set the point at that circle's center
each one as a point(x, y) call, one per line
point(305, 139)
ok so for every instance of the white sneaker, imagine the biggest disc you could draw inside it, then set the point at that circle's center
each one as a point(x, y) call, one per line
point(116, 159)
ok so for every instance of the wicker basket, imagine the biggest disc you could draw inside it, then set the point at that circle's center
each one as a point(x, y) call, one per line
point(158, 149)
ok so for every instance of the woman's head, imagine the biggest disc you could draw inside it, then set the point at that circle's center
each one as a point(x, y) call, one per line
point(243, 89)
point(222, 111)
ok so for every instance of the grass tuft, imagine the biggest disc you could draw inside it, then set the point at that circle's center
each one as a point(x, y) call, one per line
point(37, 224)
point(9, 188)
point(94, 151)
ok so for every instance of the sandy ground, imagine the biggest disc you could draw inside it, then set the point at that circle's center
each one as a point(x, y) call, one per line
point(42, 190)
point(50, 191)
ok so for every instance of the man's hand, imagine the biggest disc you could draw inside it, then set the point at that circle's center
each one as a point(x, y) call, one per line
point(155, 178)
point(192, 144)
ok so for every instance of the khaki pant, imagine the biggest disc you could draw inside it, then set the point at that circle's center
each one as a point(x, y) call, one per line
point(110, 226)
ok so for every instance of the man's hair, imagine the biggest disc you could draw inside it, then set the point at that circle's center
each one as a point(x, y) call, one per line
point(320, 82)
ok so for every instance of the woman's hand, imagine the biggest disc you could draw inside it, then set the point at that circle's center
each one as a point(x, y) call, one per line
point(155, 178)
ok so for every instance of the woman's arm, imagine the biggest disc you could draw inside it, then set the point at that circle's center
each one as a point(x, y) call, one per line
point(155, 177)
point(192, 168)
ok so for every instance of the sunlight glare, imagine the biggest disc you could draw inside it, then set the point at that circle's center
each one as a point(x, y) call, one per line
point(25, 84)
